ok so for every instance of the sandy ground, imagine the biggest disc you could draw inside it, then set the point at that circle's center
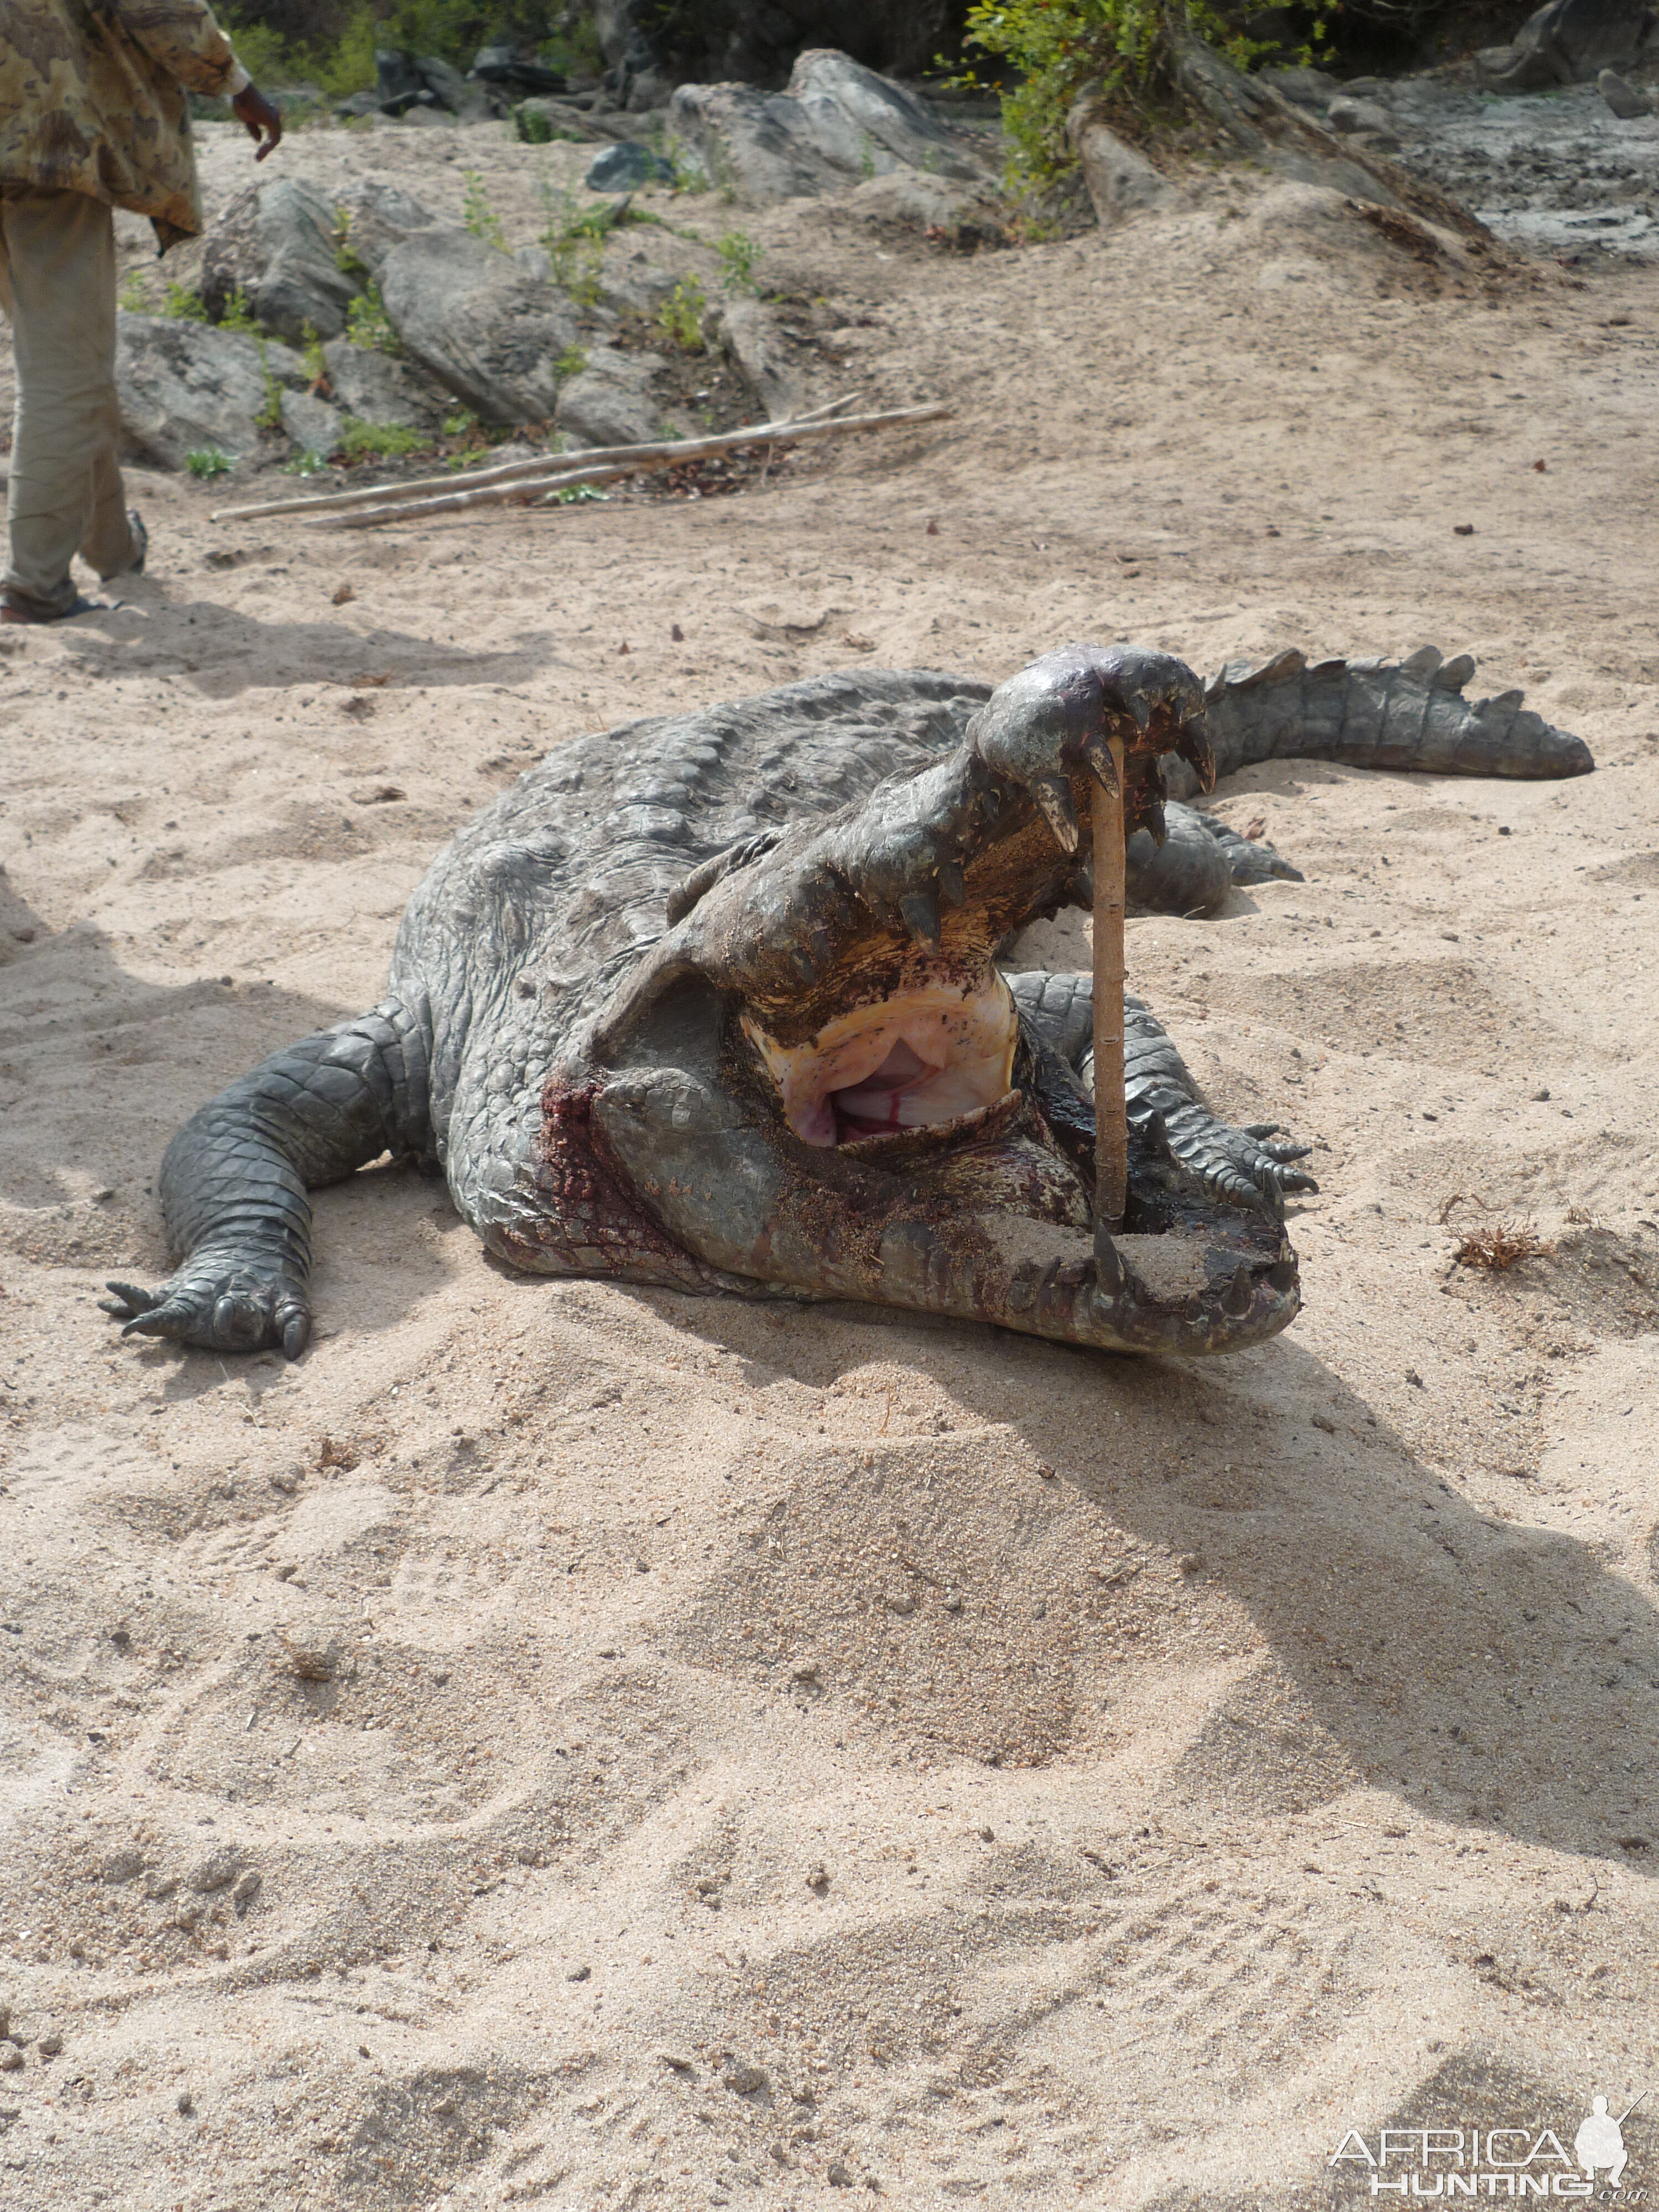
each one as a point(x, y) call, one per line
point(1290, 1764)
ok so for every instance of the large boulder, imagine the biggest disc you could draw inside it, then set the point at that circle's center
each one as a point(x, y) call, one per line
point(1120, 180)
point(647, 45)
point(1565, 42)
point(484, 327)
point(375, 388)
point(378, 217)
point(276, 242)
point(609, 402)
point(835, 122)
point(750, 337)
point(187, 387)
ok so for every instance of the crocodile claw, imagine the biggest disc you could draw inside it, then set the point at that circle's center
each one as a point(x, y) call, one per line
point(216, 1310)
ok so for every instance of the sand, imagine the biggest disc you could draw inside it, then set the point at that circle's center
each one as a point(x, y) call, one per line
point(529, 1751)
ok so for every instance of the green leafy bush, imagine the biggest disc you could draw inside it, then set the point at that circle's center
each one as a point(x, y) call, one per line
point(308, 463)
point(572, 362)
point(184, 305)
point(479, 216)
point(739, 257)
point(680, 316)
point(208, 461)
point(368, 325)
point(238, 315)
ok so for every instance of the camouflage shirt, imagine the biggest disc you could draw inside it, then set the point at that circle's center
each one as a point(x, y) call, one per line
point(93, 98)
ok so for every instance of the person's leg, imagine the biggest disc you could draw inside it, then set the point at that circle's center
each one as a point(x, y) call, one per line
point(58, 286)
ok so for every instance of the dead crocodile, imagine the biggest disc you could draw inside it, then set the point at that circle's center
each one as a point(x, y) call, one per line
point(713, 1002)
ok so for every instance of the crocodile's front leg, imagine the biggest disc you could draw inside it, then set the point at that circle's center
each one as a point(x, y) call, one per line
point(234, 1179)
point(1253, 1164)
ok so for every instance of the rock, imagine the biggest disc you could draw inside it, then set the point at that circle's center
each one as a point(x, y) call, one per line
point(1623, 99)
point(818, 1879)
point(311, 422)
point(907, 196)
point(186, 386)
point(185, 2104)
point(10, 2058)
point(310, 1658)
point(380, 217)
point(52, 2046)
point(398, 83)
point(749, 335)
point(120, 1866)
point(835, 121)
point(608, 403)
point(499, 66)
point(161, 1886)
point(579, 1974)
point(1350, 115)
point(1306, 87)
point(451, 89)
point(625, 167)
point(246, 1891)
point(743, 2080)
point(952, 1600)
point(484, 328)
point(216, 1871)
point(276, 242)
point(1566, 41)
point(1121, 182)
point(373, 387)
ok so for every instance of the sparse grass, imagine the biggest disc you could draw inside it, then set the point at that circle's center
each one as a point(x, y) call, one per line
point(238, 315)
point(574, 495)
point(270, 416)
point(308, 464)
point(361, 441)
point(135, 294)
point(680, 316)
point(572, 362)
point(311, 352)
point(184, 304)
point(208, 461)
point(477, 214)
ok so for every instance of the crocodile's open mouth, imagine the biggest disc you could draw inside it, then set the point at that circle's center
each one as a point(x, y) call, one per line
point(931, 1054)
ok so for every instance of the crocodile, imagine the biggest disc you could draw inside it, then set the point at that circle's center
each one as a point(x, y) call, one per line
point(721, 1002)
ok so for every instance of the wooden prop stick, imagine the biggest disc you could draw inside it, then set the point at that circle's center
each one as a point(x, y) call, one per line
point(1111, 1120)
point(509, 471)
point(668, 457)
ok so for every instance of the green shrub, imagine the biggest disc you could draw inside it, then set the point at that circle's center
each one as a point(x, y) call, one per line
point(740, 256)
point(208, 461)
point(574, 495)
point(680, 316)
point(308, 464)
point(270, 416)
point(184, 305)
point(238, 315)
point(572, 362)
point(384, 440)
point(1128, 47)
point(368, 325)
point(312, 353)
point(135, 294)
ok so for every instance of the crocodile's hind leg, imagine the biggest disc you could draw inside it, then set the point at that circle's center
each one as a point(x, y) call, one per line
point(1254, 1164)
point(234, 1179)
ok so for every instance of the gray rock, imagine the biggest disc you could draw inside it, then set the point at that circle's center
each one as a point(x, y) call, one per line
point(608, 403)
point(216, 1871)
point(908, 195)
point(1121, 181)
point(373, 387)
point(749, 336)
point(480, 324)
point(186, 386)
point(1350, 115)
point(1565, 42)
point(1623, 99)
point(248, 1888)
point(836, 122)
point(451, 89)
point(313, 424)
point(626, 167)
point(380, 217)
point(276, 242)
point(1306, 87)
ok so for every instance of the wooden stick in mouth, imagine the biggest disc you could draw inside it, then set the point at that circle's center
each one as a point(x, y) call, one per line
point(1111, 1121)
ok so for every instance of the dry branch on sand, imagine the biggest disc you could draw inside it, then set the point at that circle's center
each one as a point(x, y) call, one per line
point(523, 482)
point(1497, 1245)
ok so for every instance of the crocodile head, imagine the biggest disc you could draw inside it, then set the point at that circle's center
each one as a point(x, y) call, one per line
point(818, 1081)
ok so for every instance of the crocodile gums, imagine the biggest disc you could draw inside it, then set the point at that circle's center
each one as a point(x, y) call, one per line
point(714, 1001)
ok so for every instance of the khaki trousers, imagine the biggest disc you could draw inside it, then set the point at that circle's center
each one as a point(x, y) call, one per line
point(57, 288)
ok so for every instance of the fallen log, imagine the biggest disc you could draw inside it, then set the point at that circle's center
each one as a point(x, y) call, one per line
point(511, 472)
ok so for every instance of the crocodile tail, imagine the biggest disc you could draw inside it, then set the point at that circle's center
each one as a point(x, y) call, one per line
point(1401, 715)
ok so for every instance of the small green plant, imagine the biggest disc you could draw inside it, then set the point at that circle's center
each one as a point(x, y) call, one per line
point(308, 464)
point(270, 416)
point(238, 315)
point(866, 155)
point(689, 174)
point(572, 362)
point(208, 461)
point(479, 216)
point(680, 316)
point(739, 257)
point(534, 126)
point(368, 324)
point(347, 259)
point(461, 424)
point(574, 495)
point(135, 294)
point(311, 352)
point(184, 305)
point(359, 440)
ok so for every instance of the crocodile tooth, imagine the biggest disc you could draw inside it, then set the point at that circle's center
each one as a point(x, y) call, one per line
point(1053, 794)
point(1097, 753)
point(1110, 1277)
point(1282, 1275)
point(1237, 1300)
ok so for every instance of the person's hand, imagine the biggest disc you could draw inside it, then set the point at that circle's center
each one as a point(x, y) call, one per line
point(259, 119)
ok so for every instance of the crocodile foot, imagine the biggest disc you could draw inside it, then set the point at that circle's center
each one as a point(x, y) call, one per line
point(220, 1302)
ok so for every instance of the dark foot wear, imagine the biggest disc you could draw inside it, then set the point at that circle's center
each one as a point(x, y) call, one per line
point(10, 611)
point(140, 539)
